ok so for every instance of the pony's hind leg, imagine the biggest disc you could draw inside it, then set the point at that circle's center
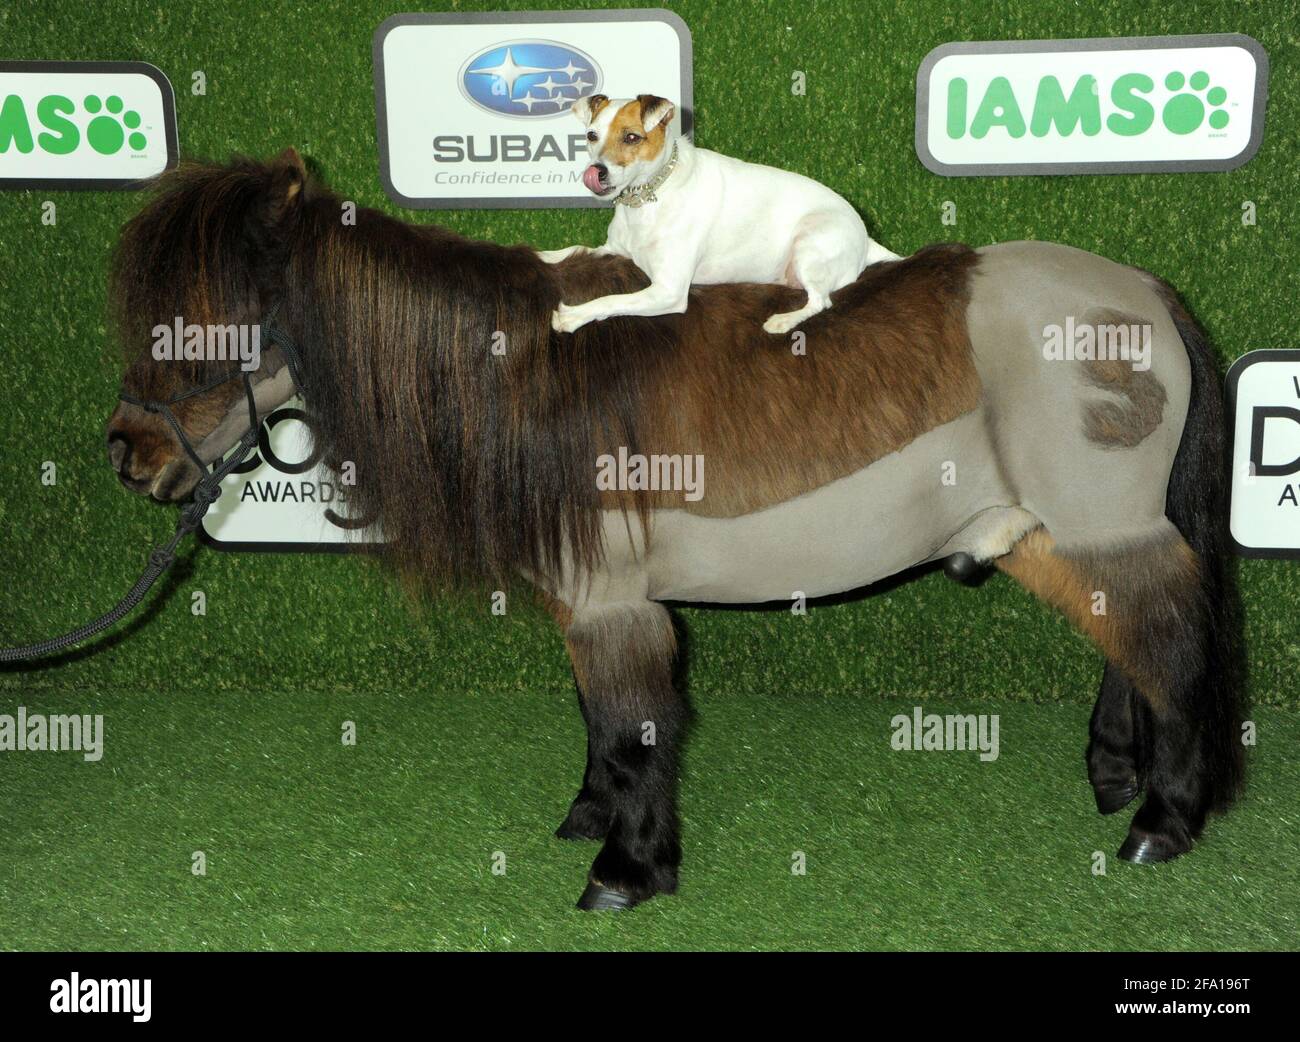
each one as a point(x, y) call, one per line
point(1145, 604)
point(623, 658)
point(1114, 742)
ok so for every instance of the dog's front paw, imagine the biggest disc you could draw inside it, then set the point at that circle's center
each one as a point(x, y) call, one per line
point(780, 323)
point(565, 319)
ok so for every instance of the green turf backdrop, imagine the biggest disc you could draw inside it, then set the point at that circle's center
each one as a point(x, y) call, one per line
point(223, 731)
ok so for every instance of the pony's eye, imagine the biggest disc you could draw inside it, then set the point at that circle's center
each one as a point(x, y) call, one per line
point(631, 139)
point(591, 135)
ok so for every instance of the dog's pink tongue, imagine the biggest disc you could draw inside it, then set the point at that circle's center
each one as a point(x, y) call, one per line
point(591, 178)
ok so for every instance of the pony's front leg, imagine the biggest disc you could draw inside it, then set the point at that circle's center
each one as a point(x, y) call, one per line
point(623, 659)
point(590, 812)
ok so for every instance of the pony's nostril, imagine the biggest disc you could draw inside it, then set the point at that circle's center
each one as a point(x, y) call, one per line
point(119, 451)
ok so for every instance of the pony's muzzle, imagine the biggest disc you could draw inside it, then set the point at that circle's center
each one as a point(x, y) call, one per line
point(145, 459)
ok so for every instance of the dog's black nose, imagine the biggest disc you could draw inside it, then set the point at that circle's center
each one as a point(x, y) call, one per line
point(119, 451)
point(602, 171)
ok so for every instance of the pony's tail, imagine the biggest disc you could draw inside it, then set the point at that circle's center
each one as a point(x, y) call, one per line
point(1197, 504)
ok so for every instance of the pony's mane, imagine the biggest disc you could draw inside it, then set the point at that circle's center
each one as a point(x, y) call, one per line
point(472, 429)
point(430, 362)
point(203, 249)
point(431, 366)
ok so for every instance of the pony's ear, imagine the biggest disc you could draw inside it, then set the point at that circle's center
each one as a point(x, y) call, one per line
point(587, 109)
point(655, 111)
point(288, 175)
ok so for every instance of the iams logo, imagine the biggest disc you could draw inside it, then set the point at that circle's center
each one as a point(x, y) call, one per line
point(84, 124)
point(1091, 106)
point(529, 78)
point(1132, 113)
point(105, 127)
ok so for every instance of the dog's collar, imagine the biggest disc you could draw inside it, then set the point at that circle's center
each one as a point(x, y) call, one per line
point(642, 194)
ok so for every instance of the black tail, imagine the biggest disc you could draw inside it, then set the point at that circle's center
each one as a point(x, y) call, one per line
point(1197, 504)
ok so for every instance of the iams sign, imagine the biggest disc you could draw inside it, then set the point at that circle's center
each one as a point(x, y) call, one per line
point(1091, 106)
point(84, 124)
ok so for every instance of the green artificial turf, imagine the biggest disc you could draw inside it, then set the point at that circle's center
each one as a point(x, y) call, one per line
point(223, 730)
point(392, 843)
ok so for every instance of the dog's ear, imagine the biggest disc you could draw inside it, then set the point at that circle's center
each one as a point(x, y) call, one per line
point(588, 108)
point(655, 111)
point(288, 176)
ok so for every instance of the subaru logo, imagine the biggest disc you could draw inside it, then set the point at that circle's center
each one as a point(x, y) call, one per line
point(524, 78)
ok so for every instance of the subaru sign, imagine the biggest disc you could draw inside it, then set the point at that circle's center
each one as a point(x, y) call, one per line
point(473, 110)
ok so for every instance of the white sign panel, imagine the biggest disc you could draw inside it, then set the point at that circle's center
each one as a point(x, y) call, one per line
point(282, 498)
point(1123, 105)
point(473, 109)
point(90, 125)
point(1264, 405)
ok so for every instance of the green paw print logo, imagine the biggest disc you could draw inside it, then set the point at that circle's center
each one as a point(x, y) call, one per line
point(108, 130)
point(1185, 111)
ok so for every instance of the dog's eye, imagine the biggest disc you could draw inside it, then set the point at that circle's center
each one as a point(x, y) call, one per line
point(591, 135)
point(631, 139)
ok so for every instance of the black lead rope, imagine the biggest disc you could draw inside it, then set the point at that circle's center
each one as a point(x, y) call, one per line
point(205, 494)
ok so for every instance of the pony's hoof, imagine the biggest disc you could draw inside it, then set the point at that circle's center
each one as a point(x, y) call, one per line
point(1111, 798)
point(597, 898)
point(1150, 848)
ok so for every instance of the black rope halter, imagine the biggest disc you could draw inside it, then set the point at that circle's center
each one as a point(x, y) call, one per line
point(205, 492)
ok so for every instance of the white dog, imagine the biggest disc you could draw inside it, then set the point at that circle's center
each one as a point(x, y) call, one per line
point(686, 215)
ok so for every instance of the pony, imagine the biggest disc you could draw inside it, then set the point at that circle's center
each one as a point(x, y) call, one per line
point(925, 417)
